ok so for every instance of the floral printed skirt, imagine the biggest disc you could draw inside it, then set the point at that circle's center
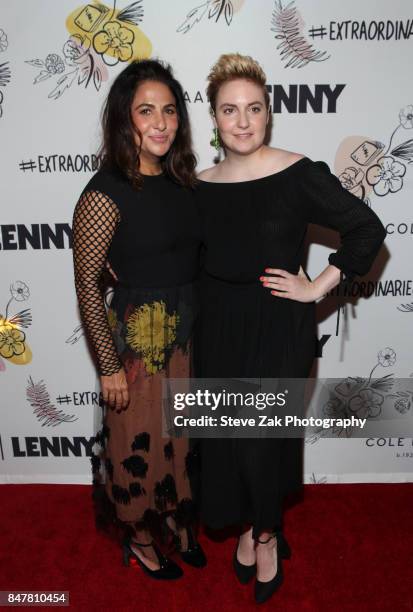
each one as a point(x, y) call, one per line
point(139, 475)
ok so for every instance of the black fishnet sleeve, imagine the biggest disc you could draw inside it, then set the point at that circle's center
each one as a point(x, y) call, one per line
point(330, 205)
point(94, 223)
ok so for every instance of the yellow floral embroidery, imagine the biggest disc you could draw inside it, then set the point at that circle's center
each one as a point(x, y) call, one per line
point(150, 331)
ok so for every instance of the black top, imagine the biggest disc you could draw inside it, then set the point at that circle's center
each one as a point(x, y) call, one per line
point(150, 237)
point(251, 225)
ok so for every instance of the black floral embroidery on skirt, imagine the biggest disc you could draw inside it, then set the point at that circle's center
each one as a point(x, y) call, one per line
point(136, 465)
point(168, 451)
point(109, 468)
point(102, 436)
point(141, 442)
point(120, 494)
point(165, 492)
point(136, 489)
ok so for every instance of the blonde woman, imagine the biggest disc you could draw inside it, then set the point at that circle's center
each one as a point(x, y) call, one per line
point(258, 311)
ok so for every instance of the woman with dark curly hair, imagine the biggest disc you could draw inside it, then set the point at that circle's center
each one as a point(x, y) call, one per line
point(137, 213)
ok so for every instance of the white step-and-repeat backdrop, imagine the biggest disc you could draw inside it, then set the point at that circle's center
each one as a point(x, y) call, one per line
point(339, 76)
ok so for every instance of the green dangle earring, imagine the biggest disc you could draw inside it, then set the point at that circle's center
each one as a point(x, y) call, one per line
point(215, 142)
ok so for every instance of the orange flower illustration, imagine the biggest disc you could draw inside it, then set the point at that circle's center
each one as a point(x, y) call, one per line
point(114, 41)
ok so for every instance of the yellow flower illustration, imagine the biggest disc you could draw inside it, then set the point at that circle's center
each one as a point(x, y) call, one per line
point(115, 33)
point(11, 340)
point(114, 40)
point(150, 331)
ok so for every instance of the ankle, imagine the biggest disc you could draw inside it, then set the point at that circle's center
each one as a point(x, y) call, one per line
point(140, 536)
point(141, 544)
point(266, 538)
point(171, 522)
point(246, 537)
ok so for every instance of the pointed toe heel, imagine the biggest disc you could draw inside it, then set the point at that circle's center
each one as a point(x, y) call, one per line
point(194, 554)
point(168, 569)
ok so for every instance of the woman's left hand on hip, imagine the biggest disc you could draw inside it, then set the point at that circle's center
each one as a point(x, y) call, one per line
point(283, 284)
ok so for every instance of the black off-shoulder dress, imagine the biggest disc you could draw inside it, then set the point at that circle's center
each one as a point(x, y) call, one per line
point(246, 332)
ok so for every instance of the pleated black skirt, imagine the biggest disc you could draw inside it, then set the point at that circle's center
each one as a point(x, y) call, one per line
point(245, 332)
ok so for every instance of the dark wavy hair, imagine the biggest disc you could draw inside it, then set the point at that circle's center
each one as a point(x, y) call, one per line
point(118, 150)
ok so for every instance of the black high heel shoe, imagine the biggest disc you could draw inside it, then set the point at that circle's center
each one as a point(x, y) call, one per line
point(264, 590)
point(193, 555)
point(244, 573)
point(168, 569)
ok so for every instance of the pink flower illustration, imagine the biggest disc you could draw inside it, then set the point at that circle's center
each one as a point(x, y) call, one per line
point(75, 48)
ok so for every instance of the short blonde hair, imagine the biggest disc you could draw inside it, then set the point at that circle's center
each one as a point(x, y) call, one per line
point(233, 66)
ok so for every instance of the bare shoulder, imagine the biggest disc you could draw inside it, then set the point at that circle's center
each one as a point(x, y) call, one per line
point(292, 157)
point(282, 158)
point(208, 175)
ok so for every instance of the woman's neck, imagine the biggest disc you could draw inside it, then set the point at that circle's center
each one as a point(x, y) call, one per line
point(150, 170)
point(244, 165)
point(150, 165)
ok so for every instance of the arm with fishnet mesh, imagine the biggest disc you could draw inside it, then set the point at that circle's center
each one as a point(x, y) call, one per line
point(94, 223)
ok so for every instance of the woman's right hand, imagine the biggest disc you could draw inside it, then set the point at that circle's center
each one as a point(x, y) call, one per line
point(115, 390)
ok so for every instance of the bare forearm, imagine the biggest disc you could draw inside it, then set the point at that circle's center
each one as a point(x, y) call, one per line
point(326, 281)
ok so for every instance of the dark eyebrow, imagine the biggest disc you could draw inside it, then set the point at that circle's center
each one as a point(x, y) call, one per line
point(235, 106)
point(153, 106)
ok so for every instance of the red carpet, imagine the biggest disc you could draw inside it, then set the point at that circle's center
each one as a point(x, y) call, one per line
point(352, 550)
